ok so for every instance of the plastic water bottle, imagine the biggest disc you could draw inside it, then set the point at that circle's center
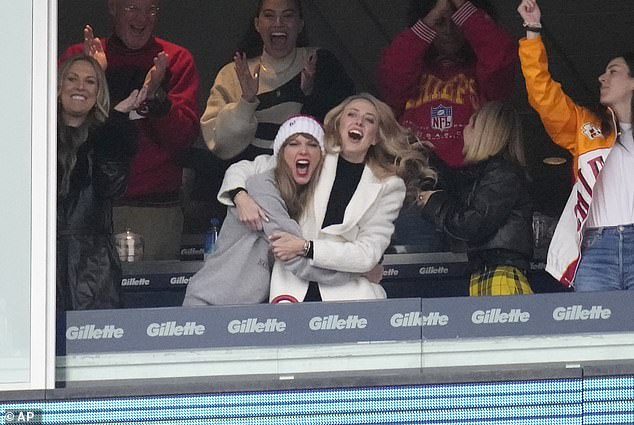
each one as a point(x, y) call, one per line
point(211, 236)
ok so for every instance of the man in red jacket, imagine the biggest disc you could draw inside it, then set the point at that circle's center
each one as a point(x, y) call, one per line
point(167, 123)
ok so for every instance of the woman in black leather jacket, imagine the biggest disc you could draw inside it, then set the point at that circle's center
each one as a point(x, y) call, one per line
point(94, 149)
point(490, 209)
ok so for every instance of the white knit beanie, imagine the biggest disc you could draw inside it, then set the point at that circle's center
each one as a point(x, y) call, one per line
point(298, 124)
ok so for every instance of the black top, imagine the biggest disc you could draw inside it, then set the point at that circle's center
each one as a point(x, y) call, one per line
point(346, 181)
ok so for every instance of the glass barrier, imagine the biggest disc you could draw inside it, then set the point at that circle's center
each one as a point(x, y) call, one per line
point(15, 190)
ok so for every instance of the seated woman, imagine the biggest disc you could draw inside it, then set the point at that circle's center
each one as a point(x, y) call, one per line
point(94, 150)
point(238, 272)
point(273, 76)
point(349, 221)
point(492, 210)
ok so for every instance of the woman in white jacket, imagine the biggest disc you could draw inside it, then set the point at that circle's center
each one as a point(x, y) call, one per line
point(349, 223)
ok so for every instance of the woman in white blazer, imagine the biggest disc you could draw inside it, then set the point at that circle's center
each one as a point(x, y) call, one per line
point(358, 196)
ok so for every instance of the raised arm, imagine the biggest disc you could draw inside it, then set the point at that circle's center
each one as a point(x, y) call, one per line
point(402, 63)
point(174, 113)
point(495, 50)
point(559, 113)
point(228, 124)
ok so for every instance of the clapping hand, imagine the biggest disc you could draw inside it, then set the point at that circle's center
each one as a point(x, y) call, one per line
point(94, 48)
point(249, 83)
point(133, 101)
point(156, 74)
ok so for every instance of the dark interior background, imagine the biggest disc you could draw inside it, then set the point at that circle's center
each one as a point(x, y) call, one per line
point(581, 36)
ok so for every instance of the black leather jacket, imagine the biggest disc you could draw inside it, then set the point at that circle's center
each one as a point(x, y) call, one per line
point(491, 210)
point(88, 268)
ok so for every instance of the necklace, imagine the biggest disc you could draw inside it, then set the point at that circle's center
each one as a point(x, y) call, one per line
point(270, 69)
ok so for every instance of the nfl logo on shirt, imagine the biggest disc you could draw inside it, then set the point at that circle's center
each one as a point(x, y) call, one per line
point(441, 117)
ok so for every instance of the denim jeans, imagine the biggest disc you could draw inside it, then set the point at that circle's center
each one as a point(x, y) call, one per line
point(607, 259)
point(413, 230)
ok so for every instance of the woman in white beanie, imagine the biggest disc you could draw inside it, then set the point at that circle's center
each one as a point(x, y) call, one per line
point(349, 223)
point(238, 272)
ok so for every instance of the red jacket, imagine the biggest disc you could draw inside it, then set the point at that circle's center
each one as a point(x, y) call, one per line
point(163, 137)
point(436, 100)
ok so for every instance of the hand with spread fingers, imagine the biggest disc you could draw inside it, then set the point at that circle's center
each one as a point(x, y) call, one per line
point(94, 48)
point(250, 83)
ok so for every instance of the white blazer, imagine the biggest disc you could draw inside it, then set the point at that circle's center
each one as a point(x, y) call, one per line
point(355, 245)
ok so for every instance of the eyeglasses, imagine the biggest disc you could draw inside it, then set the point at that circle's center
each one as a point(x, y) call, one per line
point(136, 10)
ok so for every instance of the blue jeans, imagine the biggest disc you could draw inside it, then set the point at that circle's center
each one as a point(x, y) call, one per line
point(413, 230)
point(607, 259)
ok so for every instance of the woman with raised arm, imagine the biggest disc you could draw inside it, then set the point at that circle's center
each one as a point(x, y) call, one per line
point(272, 77)
point(349, 221)
point(593, 245)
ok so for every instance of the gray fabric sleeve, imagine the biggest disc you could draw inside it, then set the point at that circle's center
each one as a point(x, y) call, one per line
point(263, 189)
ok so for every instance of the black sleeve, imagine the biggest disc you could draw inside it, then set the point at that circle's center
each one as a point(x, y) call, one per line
point(115, 145)
point(332, 85)
point(484, 210)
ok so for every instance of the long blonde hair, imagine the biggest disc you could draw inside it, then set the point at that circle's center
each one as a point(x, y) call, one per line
point(496, 129)
point(296, 197)
point(69, 140)
point(393, 153)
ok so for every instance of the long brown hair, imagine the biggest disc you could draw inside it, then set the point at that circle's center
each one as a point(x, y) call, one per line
point(70, 139)
point(393, 154)
point(296, 197)
point(608, 116)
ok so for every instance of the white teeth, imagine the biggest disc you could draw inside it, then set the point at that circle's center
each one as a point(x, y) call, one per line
point(303, 163)
point(355, 134)
point(78, 97)
point(278, 34)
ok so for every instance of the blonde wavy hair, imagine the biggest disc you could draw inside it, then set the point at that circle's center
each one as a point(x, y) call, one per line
point(393, 154)
point(497, 128)
point(69, 140)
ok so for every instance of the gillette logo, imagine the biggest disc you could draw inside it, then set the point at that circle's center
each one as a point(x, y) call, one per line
point(252, 325)
point(180, 280)
point(577, 312)
point(496, 315)
point(172, 329)
point(416, 318)
point(334, 323)
point(433, 270)
point(135, 282)
point(87, 332)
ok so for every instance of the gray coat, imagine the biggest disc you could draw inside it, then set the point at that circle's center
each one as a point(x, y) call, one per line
point(239, 270)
